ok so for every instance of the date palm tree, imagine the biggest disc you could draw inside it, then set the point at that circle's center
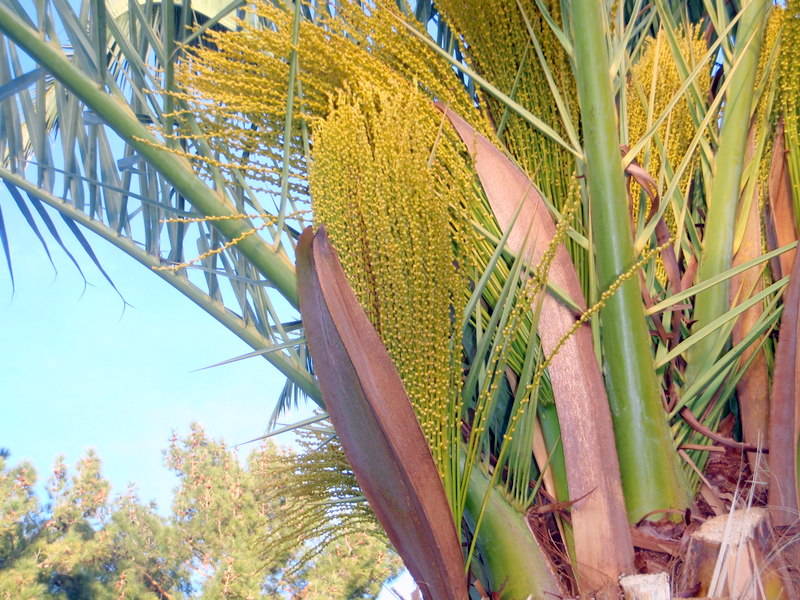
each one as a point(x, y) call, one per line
point(552, 253)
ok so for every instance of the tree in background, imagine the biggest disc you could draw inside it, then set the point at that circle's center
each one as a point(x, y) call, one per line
point(82, 544)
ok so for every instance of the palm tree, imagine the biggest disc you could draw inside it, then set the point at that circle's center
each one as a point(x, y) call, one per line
point(574, 348)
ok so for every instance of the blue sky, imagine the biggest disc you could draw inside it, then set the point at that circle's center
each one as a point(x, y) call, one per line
point(81, 370)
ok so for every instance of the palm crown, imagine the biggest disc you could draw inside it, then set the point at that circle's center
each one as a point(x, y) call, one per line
point(563, 240)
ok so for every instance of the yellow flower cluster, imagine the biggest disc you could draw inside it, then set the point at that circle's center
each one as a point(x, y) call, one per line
point(236, 85)
point(654, 80)
point(790, 61)
point(498, 44)
point(389, 182)
point(383, 169)
point(320, 493)
point(771, 37)
point(790, 90)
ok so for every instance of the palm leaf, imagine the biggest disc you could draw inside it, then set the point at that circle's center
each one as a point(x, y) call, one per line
point(784, 418)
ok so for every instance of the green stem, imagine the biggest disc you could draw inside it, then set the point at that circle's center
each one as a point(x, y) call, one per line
point(548, 418)
point(651, 476)
point(517, 565)
point(274, 265)
point(289, 118)
point(724, 200)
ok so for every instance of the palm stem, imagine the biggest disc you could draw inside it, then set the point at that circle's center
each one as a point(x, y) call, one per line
point(515, 561)
point(650, 473)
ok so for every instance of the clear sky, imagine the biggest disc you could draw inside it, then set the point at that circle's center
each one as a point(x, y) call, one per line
point(81, 370)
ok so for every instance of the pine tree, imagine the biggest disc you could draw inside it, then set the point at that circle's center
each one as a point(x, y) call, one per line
point(83, 544)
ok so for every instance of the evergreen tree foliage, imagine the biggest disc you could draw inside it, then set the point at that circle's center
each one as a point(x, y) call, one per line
point(81, 543)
